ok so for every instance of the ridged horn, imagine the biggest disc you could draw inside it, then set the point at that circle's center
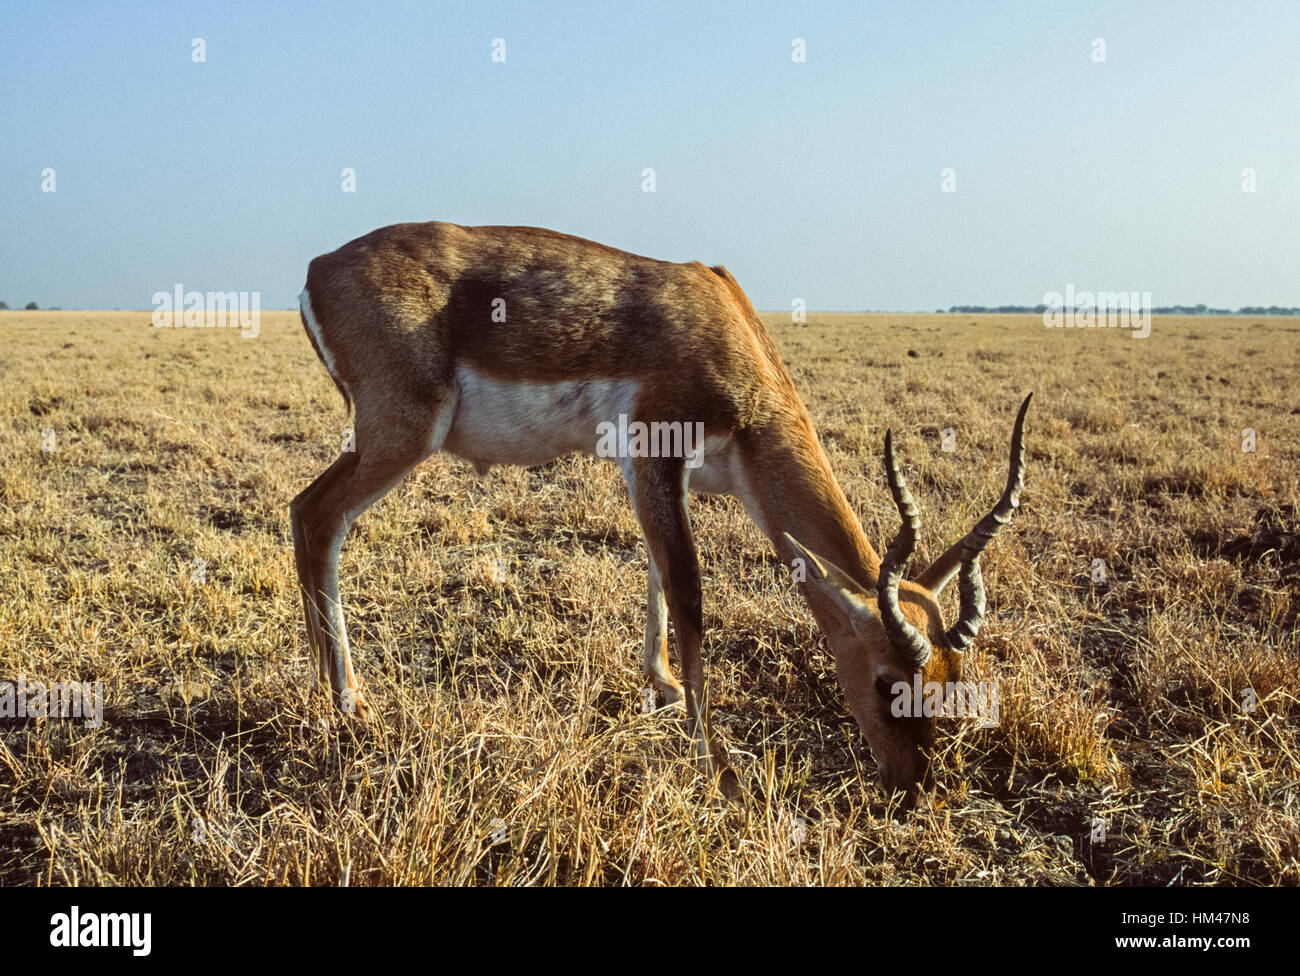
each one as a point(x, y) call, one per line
point(970, 582)
point(902, 634)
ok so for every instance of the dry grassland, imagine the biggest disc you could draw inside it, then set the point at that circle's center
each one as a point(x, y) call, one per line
point(512, 747)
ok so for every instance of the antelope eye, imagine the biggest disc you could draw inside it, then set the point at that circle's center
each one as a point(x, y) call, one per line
point(884, 687)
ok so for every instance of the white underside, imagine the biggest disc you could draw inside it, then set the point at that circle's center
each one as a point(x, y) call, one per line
point(490, 421)
point(503, 422)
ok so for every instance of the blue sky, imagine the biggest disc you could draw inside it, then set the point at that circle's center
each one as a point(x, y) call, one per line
point(819, 180)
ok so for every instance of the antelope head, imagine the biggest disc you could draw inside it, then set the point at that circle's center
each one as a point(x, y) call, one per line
point(890, 641)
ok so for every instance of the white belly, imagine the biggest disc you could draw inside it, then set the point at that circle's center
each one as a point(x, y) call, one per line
point(504, 422)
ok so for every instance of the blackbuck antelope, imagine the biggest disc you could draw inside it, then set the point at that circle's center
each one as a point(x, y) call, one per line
point(514, 345)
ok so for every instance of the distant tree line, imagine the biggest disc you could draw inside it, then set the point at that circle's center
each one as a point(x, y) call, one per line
point(1159, 310)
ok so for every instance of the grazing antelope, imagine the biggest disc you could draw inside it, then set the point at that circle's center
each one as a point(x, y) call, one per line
point(514, 345)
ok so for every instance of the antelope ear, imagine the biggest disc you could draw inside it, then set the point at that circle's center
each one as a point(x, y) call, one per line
point(842, 590)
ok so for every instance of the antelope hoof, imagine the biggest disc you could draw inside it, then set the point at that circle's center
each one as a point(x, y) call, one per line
point(352, 704)
point(670, 691)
